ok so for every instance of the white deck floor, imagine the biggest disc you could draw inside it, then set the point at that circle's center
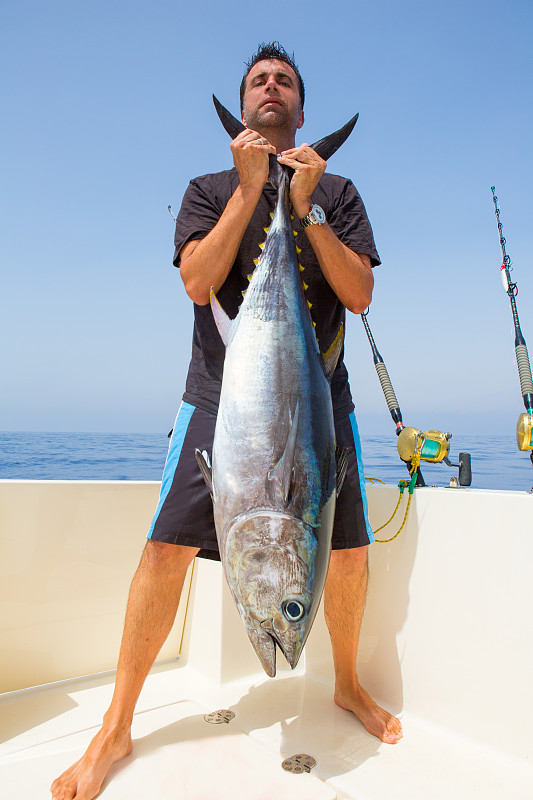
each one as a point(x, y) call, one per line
point(179, 755)
point(446, 644)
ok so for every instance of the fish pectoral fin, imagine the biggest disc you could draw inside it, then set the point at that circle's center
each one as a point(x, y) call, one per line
point(331, 356)
point(223, 322)
point(280, 477)
point(202, 459)
point(341, 458)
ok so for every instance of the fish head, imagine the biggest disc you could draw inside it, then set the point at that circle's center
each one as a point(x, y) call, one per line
point(271, 564)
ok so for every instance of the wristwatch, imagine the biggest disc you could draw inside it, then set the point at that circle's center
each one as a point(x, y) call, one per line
point(315, 217)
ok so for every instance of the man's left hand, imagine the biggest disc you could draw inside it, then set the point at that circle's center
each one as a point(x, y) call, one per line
point(308, 169)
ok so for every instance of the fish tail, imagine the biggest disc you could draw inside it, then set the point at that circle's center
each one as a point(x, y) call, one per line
point(275, 171)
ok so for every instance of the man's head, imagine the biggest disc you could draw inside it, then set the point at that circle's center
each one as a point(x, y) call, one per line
point(267, 52)
point(272, 91)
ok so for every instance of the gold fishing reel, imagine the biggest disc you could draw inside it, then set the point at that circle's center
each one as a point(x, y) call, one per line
point(524, 431)
point(432, 446)
point(415, 446)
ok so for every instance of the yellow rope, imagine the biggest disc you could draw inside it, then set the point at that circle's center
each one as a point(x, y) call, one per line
point(384, 541)
point(392, 517)
point(402, 486)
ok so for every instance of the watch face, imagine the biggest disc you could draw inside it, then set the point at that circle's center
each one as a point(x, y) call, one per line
point(318, 214)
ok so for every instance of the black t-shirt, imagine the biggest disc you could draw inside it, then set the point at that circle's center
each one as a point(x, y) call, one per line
point(203, 204)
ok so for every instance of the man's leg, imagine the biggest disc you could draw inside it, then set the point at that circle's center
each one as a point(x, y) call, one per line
point(344, 602)
point(152, 605)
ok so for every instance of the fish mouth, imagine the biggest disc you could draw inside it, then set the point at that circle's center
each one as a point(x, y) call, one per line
point(292, 656)
point(265, 649)
point(264, 640)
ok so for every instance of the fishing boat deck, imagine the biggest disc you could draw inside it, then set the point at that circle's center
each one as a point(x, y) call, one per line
point(447, 621)
point(177, 754)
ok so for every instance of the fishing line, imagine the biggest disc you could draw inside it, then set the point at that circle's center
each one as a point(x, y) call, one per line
point(524, 428)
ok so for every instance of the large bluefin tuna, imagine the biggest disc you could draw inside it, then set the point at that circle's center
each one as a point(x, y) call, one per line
point(275, 472)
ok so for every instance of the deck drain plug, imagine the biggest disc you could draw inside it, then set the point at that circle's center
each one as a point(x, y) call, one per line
point(299, 763)
point(222, 715)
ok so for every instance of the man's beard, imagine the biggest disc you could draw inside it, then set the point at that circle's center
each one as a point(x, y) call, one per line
point(261, 118)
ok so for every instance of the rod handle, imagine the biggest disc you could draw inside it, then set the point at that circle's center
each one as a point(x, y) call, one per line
point(524, 370)
point(386, 385)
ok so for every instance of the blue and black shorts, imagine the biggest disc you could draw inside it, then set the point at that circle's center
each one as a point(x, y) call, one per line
point(184, 514)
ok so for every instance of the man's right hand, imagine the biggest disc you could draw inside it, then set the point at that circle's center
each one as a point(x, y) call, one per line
point(207, 262)
point(250, 155)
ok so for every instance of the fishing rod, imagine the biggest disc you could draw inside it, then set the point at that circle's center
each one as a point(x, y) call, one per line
point(524, 427)
point(413, 445)
point(383, 375)
point(388, 391)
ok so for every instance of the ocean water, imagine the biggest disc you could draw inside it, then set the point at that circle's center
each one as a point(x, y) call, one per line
point(496, 462)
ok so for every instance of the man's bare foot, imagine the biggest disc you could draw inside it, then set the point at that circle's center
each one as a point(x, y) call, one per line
point(376, 720)
point(83, 779)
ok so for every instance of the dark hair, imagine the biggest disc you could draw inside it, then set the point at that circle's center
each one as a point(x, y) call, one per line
point(265, 52)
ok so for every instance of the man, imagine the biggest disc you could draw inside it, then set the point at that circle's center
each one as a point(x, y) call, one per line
point(217, 240)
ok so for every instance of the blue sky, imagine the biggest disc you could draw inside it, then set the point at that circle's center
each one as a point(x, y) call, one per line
point(108, 114)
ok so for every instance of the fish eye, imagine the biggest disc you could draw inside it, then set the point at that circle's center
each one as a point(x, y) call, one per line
point(293, 610)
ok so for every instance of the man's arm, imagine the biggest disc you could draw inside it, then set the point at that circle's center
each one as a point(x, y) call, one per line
point(206, 263)
point(349, 274)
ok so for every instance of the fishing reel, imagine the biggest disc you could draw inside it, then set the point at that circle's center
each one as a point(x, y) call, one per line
point(433, 447)
point(524, 431)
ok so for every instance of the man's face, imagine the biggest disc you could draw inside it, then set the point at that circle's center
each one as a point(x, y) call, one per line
point(271, 97)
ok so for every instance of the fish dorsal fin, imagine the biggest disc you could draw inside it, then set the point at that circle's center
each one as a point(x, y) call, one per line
point(331, 356)
point(341, 459)
point(202, 459)
point(279, 477)
point(223, 322)
point(330, 144)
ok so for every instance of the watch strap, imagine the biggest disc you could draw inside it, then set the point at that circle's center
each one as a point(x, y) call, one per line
point(313, 217)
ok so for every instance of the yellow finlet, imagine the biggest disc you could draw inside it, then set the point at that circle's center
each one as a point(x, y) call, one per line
point(256, 261)
point(266, 230)
point(314, 324)
point(295, 233)
point(309, 305)
point(306, 287)
point(244, 292)
point(331, 356)
point(250, 276)
point(292, 216)
point(262, 245)
point(301, 268)
point(271, 215)
point(298, 249)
